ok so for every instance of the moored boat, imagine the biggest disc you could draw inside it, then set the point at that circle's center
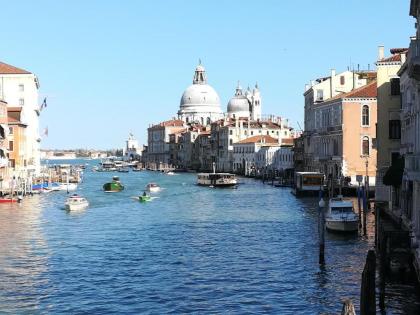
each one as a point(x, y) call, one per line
point(76, 203)
point(341, 216)
point(114, 186)
point(8, 200)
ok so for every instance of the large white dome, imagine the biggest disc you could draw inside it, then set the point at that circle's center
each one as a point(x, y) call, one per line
point(200, 102)
point(199, 94)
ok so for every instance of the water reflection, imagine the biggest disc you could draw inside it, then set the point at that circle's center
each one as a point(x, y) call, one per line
point(23, 256)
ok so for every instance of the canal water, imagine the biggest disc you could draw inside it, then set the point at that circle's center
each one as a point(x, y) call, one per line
point(193, 249)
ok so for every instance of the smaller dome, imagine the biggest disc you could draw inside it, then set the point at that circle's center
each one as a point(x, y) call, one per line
point(238, 104)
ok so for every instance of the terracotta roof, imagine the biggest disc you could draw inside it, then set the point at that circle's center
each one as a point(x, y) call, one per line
point(257, 139)
point(396, 55)
point(14, 109)
point(287, 141)
point(8, 69)
point(366, 91)
point(170, 123)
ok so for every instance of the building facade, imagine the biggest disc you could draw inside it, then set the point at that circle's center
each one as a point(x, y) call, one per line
point(341, 140)
point(388, 123)
point(19, 88)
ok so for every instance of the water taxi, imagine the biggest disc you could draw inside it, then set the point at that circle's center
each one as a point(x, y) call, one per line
point(76, 203)
point(341, 216)
point(114, 186)
point(153, 187)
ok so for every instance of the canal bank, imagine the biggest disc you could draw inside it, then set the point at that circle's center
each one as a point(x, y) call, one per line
point(194, 249)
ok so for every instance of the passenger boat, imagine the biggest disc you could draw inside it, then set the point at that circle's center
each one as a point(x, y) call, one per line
point(308, 183)
point(341, 216)
point(114, 186)
point(76, 203)
point(153, 187)
point(216, 179)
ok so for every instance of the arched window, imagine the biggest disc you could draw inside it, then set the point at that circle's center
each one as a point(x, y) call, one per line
point(365, 115)
point(202, 120)
point(208, 121)
point(365, 146)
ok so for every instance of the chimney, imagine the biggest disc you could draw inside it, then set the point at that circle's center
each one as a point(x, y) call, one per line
point(332, 83)
point(381, 53)
point(403, 58)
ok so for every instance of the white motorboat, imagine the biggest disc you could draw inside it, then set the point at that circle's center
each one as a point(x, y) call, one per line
point(341, 216)
point(170, 173)
point(153, 187)
point(76, 203)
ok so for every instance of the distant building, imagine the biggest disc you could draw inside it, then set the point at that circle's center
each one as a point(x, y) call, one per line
point(158, 149)
point(132, 149)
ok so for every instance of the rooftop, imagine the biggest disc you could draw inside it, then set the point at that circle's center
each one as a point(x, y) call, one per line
point(260, 139)
point(8, 69)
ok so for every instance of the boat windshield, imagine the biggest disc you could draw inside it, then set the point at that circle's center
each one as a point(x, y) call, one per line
point(342, 209)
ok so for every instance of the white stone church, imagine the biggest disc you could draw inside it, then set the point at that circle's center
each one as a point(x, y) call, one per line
point(200, 103)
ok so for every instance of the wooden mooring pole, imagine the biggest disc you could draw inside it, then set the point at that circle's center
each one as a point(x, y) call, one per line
point(367, 292)
point(348, 308)
point(321, 229)
point(364, 210)
point(359, 206)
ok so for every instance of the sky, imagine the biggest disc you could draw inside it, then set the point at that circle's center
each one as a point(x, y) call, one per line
point(109, 68)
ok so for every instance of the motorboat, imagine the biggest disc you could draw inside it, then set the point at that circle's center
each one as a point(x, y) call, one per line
point(8, 200)
point(114, 186)
point(76, 203)
point(341, 216)
point(123, 170)
point(153, 187)
point(145, 198)
point(170, 173)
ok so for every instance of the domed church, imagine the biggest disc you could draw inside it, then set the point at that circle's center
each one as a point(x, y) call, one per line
point(200, 102)
point(245, 106)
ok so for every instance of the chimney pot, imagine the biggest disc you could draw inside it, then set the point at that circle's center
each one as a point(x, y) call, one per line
point(381, 52)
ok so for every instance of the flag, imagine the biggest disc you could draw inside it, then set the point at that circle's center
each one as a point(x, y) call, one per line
point(45, 133)
point(44, 104)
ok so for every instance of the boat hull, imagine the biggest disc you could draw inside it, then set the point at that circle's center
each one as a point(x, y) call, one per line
point(341, 226)
point(113, 187)
point(144, 198)
point(78, 207)
point(7, 200)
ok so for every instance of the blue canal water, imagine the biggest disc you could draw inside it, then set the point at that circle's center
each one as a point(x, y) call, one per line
point(250, 250)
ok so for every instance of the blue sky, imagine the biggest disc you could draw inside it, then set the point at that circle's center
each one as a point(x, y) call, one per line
point(111, 67)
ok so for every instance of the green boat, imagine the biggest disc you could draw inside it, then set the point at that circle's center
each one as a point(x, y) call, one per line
point(145, 198)
point(114, 186)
